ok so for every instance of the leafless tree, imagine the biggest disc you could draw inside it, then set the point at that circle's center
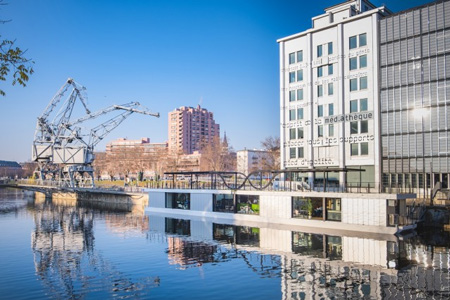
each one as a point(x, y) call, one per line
point(271, 144)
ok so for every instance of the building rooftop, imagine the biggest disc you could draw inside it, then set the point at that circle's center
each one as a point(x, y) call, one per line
point(9, 164)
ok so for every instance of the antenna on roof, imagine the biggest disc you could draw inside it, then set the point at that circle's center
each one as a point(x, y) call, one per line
point(200, 102)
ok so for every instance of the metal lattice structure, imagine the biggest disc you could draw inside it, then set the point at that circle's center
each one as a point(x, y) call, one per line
point(62, 148)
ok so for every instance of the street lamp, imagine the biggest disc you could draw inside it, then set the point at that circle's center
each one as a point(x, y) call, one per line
point(420, 113)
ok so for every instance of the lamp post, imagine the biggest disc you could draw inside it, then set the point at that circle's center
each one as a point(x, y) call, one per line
point(419, 114)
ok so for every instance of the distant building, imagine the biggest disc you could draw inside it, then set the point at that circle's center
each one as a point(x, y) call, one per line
point(10, 169)
point(129, 158)
point(251, 160)
point(190, 127)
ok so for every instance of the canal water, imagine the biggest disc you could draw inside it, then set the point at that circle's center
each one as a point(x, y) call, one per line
point(68, 250)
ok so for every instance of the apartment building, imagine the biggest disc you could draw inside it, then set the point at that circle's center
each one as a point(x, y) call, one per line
point(251, 160)
point(189, 128)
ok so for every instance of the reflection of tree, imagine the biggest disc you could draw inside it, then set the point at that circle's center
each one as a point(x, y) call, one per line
point(65, 257)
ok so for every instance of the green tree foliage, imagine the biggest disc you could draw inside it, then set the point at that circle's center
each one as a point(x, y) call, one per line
point(13, 63)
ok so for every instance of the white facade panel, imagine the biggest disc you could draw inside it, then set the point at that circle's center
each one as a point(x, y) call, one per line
point(157, 199)
point(202, 202)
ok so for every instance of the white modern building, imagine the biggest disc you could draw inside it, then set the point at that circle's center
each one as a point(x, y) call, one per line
point(250, 160)
point(330, 95)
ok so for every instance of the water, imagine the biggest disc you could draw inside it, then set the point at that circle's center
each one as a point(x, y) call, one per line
point(67, 250)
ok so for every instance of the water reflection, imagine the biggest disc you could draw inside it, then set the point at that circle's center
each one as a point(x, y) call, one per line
point(70, 241)
point(65, 257)
point(316, 266)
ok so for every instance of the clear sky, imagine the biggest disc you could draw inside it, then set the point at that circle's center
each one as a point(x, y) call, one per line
point(162, 53)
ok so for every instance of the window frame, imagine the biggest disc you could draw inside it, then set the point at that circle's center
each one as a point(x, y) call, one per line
point(292, 58)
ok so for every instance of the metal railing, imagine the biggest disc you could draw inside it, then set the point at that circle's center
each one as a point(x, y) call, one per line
point(282, 186)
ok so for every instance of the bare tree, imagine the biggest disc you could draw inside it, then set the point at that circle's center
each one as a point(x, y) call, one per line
point(271, 144)
point(217, 156)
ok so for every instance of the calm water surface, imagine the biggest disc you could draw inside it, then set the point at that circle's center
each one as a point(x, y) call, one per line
point(67, 250)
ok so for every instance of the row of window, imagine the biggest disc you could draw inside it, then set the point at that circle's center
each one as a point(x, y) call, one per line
point(356, 127)
point(359, 105)
point(355, 83)
point(356, 149)
point(354, 42)
point(297, 95)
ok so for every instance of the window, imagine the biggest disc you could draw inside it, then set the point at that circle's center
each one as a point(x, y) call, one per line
point(319, 51)
point(292, 115)
point(363, 83)
point(300, 56)
point(300, 132)
point(333, 209)
point(354, 149)
point(223, 203)
point(362, 39)
point(247, 204)
point(330, 48)
point(320, 111)
point(300, 113)
point(330, 69)
point(291, 76)
point(299, 75)
point(320, 90)
point(319, 71)
point(178, 200)
point(292, 95)
point(363, 61)
point(292, 133)
point(330, 109)
point(353, 85)
point(291, 58)
point(331, 130)
point(363, 104)
point(353, 63)
point(365, 148)
point(320, 131)
point(300, 94)
point(301, 153)
point(364, 126)
point(354, 127)
point(353, 43)
point(353, 106)
point(292, 153)
point(330, 88)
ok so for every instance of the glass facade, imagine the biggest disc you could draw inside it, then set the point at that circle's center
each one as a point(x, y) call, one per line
point(415, 96)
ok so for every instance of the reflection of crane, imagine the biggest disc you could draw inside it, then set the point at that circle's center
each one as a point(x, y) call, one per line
point(60, 146)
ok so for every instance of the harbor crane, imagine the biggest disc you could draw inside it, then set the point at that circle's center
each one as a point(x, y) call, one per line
point(62, 148)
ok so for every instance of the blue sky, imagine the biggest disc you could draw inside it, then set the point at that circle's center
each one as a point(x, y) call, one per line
point(162, 53)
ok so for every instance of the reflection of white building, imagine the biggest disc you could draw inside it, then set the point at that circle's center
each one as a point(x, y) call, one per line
point(250, 160)
point(366, 267)
point(329, 92)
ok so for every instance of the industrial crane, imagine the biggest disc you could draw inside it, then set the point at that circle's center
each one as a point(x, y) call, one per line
point(65, 150)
